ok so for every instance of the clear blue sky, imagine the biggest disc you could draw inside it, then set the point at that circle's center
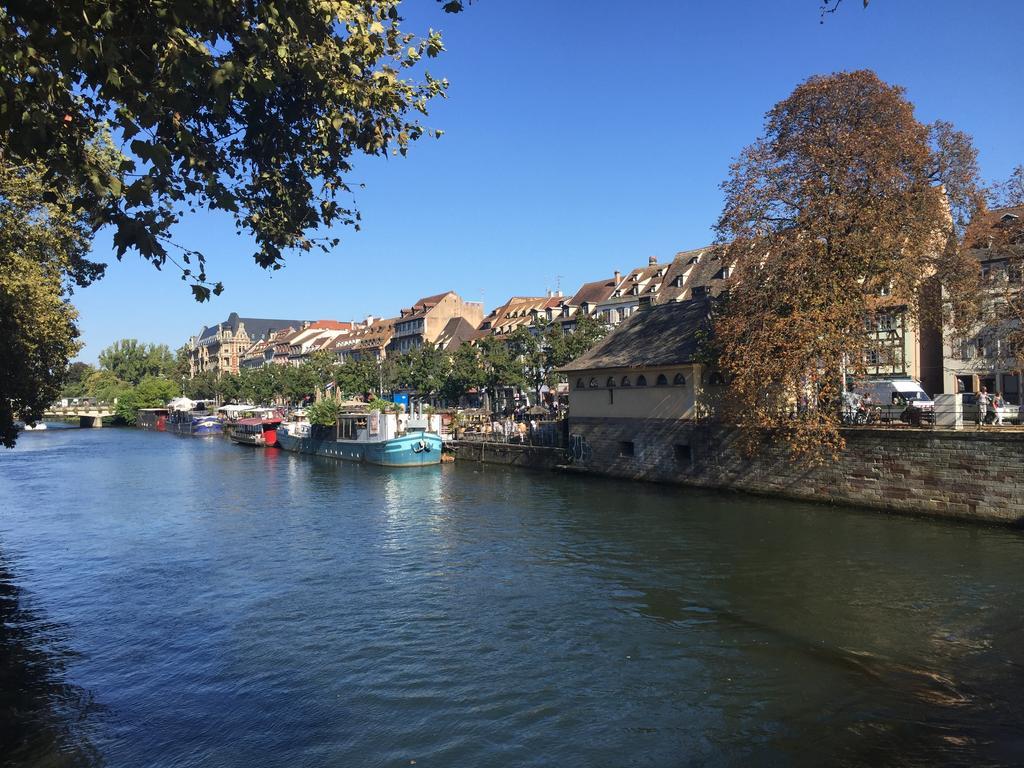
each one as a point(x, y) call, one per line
point(580, 138)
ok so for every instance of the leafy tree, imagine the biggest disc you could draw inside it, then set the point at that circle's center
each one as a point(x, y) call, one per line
point(501, 368)
point(467, 372)
point(256, 109)
point(323, 367)
point(104, 387)
point(324, 412)
point(43, 249)
point(258, 385)
point(132, 361)
point(357, 377)
point(297, 383)
point(846, 203)
point(151, 392)
point(181, 368)
point(562, 348)
point(1009, 193)
point(75, 384)
point(424, 369)
point(528, 349)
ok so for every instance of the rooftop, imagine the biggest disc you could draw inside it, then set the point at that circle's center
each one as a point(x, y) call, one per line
point(663, 334)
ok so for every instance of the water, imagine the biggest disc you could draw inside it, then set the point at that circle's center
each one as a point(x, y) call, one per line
point(171, 601)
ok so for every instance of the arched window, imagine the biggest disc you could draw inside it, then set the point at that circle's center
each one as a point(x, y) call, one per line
point(641, 380)
point(626, 382)
point(579, 383)
point(662, 380)
point(679, 380)
point(593, 382)
point(610, 382)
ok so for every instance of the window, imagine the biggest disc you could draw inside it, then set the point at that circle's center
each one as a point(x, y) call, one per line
point(626, 448)
point(610, 382)
point(593, 382)
point(699, 291)
point(579, 383)
point(662, 380)
point(683, 454)
point(625, 381)
point(679, 380)
point(677, 281)
point(641, 380)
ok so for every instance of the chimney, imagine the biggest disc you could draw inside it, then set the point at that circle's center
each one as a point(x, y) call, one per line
point(652, 261)
point(618, 276)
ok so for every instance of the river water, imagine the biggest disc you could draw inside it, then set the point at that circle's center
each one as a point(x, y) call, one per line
point(171, 601)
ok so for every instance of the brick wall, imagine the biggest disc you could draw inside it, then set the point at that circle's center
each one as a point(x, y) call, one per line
point(970, 475)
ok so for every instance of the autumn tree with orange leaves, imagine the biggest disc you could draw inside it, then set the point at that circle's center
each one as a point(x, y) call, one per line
point(845, 203)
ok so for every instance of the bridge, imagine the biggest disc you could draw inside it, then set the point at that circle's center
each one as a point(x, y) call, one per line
point(88, 416)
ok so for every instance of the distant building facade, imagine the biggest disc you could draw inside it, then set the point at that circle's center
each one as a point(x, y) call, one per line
point(434, 318)
point(221, 348)
point(983, 357)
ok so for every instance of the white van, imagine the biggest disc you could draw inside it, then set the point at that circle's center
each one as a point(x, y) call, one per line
point(892, 397)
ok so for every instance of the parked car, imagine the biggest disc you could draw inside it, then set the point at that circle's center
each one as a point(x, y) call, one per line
point(897, 399)
point(1011, 413)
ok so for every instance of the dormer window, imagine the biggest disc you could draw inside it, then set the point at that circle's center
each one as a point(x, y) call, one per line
point(694, 259)
point(662, 380)
point(677, 281)
point(679, 380)
point(593, 382)
point(641, 380)
point(610, 382)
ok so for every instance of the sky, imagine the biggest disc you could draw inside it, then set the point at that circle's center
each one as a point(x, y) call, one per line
point(580, 138)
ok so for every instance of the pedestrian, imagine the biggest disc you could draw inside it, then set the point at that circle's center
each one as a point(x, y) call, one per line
point(997, 412)
point(983, 401)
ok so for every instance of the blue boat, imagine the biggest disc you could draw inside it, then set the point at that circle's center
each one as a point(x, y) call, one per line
point(374, 438)
point(191, 417)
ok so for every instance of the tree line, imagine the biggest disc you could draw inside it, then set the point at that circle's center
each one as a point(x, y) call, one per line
point(137, 375)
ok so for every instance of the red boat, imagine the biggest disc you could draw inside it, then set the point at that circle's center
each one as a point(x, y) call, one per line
point(152, 418)
point(258, 432)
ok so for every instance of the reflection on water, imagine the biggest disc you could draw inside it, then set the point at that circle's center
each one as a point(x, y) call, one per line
point(43, 716)
point(232, 607)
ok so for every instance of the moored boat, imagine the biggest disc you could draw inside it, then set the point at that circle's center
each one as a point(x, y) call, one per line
point(191, 417)
point(154, 419)
point(372, 437)
point(254, 431)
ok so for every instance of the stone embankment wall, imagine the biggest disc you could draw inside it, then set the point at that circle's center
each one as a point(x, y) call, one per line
point(533, 456)
point(974, 475)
